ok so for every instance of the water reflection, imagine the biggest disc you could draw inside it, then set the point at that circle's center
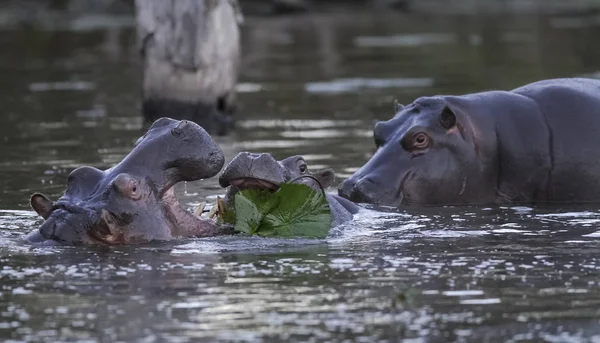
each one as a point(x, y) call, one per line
point(370, 280)
point(312, 86)
point(407, 40)
point(358, 84)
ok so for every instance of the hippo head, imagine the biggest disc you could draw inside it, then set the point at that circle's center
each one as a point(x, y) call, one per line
point(262, 171)
point(426, 155)
point(134, 201)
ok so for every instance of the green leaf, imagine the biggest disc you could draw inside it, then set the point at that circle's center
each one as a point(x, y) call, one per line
point(226, 213)
point(302, 212)
point(295, 210)
point(251, 206)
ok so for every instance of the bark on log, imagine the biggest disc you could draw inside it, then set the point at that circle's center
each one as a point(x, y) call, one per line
point(191, 55)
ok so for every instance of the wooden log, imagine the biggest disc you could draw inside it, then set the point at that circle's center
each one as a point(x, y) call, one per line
point(191, 54)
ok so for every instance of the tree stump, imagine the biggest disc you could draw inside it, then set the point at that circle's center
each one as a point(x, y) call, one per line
point(191, 54)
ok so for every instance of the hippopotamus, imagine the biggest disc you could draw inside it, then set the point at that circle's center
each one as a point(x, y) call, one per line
point(134, 201)
point(263, 171)
point(537, 144)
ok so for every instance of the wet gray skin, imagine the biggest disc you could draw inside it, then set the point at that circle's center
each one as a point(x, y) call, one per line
point(134, 201)
point(262, 171)
point(534, 145)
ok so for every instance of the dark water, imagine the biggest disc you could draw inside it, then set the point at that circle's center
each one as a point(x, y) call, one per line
point(69, 95)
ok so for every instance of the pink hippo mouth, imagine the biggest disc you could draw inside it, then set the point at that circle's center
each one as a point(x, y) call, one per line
point(177, 222)
point(243, 183)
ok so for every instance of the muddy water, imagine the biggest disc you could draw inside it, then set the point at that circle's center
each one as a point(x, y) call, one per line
point(69, 96)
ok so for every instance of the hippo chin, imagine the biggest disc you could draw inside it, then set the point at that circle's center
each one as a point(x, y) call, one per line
point(134, 201)
point(536, 144)
point(262, 171)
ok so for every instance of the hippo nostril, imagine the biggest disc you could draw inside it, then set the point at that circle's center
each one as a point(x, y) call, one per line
point(357, 190)
point(176, 131)
point(346, 188)
point(365, 185)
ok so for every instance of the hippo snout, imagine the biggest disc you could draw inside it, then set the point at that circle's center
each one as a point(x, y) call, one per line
point(68, 224)
point(215, 162)
point(256, 157)
point(252, 165)
point(361, 190)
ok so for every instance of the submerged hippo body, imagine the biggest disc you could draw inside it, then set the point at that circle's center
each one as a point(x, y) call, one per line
point(133, 201)
point(536, 144)
point(262, 171)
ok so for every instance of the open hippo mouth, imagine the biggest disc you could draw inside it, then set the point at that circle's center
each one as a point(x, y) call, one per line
point(254, 171)
point(123, 227)
point(103, 233)
point(243, 183)
point(134, 201)
point(262, 171)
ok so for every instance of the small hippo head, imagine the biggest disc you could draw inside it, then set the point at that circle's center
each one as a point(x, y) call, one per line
point(425, 155)
point(133, 201)
point(262, 171)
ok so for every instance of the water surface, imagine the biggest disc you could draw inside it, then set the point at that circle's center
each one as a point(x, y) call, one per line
point(312, 86)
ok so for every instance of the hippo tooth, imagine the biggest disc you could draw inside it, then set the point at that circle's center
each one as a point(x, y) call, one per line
point(220, 207)
point(200, 209)
point(214, 210)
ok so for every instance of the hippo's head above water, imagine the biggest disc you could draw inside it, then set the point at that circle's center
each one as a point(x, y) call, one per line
point(262, 171)
point(134, 201)
point(426, 155)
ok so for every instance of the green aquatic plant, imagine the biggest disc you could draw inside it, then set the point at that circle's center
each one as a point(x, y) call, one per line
point(294, 210)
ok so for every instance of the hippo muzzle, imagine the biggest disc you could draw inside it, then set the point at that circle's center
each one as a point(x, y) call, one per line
point(257, 171)
point(65, 227)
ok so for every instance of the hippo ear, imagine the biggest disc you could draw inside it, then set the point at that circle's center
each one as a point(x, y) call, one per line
point(398, 106)
point(447, 118)
point(325, 176)
point(41, 204)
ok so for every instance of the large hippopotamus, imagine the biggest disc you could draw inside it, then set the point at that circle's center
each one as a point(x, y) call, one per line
point(262, 171)
point(537, 144)
point(134, 201)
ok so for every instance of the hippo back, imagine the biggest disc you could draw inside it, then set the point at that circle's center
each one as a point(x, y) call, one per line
point(571, 108)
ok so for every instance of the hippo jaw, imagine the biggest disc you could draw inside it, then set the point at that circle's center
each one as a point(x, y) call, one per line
point(157, 217)
point(134, 201)
point(243, 183)
point(249, 170)
point(262, 171)
point(122, 221)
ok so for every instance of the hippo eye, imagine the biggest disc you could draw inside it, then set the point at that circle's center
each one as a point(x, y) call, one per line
point(420, 141)
point(303, 168)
